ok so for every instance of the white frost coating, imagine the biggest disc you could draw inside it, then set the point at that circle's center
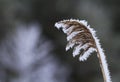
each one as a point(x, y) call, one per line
point(103, 60)
point(61, 25)
point(70, 29)
point(102, 55)
point(84, 22)
point(58, 25)
point(73, 34)
point(78, 48)
point(64, 30)
point(69, 46)
point(87, 54)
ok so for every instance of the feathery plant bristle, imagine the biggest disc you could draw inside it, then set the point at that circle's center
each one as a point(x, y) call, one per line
point(78, 36)
point(84, 40)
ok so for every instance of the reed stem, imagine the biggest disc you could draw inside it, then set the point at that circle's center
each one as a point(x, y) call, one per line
point(102, 66)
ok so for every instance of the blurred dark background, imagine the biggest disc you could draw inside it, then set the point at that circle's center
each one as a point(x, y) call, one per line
point(102, 15)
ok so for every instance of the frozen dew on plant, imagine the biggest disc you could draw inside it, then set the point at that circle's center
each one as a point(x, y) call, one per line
point(83, 38)
point(79, 38)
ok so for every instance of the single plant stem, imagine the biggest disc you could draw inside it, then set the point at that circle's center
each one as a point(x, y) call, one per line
point(102, 66)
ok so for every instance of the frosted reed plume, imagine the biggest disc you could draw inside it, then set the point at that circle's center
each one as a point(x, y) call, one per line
point(84, 40)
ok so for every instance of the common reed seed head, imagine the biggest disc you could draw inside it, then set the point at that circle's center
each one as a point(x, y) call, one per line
point(79, 36)
point(84, 40)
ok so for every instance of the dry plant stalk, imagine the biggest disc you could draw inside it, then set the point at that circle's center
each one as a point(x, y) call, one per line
point(84, 40)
